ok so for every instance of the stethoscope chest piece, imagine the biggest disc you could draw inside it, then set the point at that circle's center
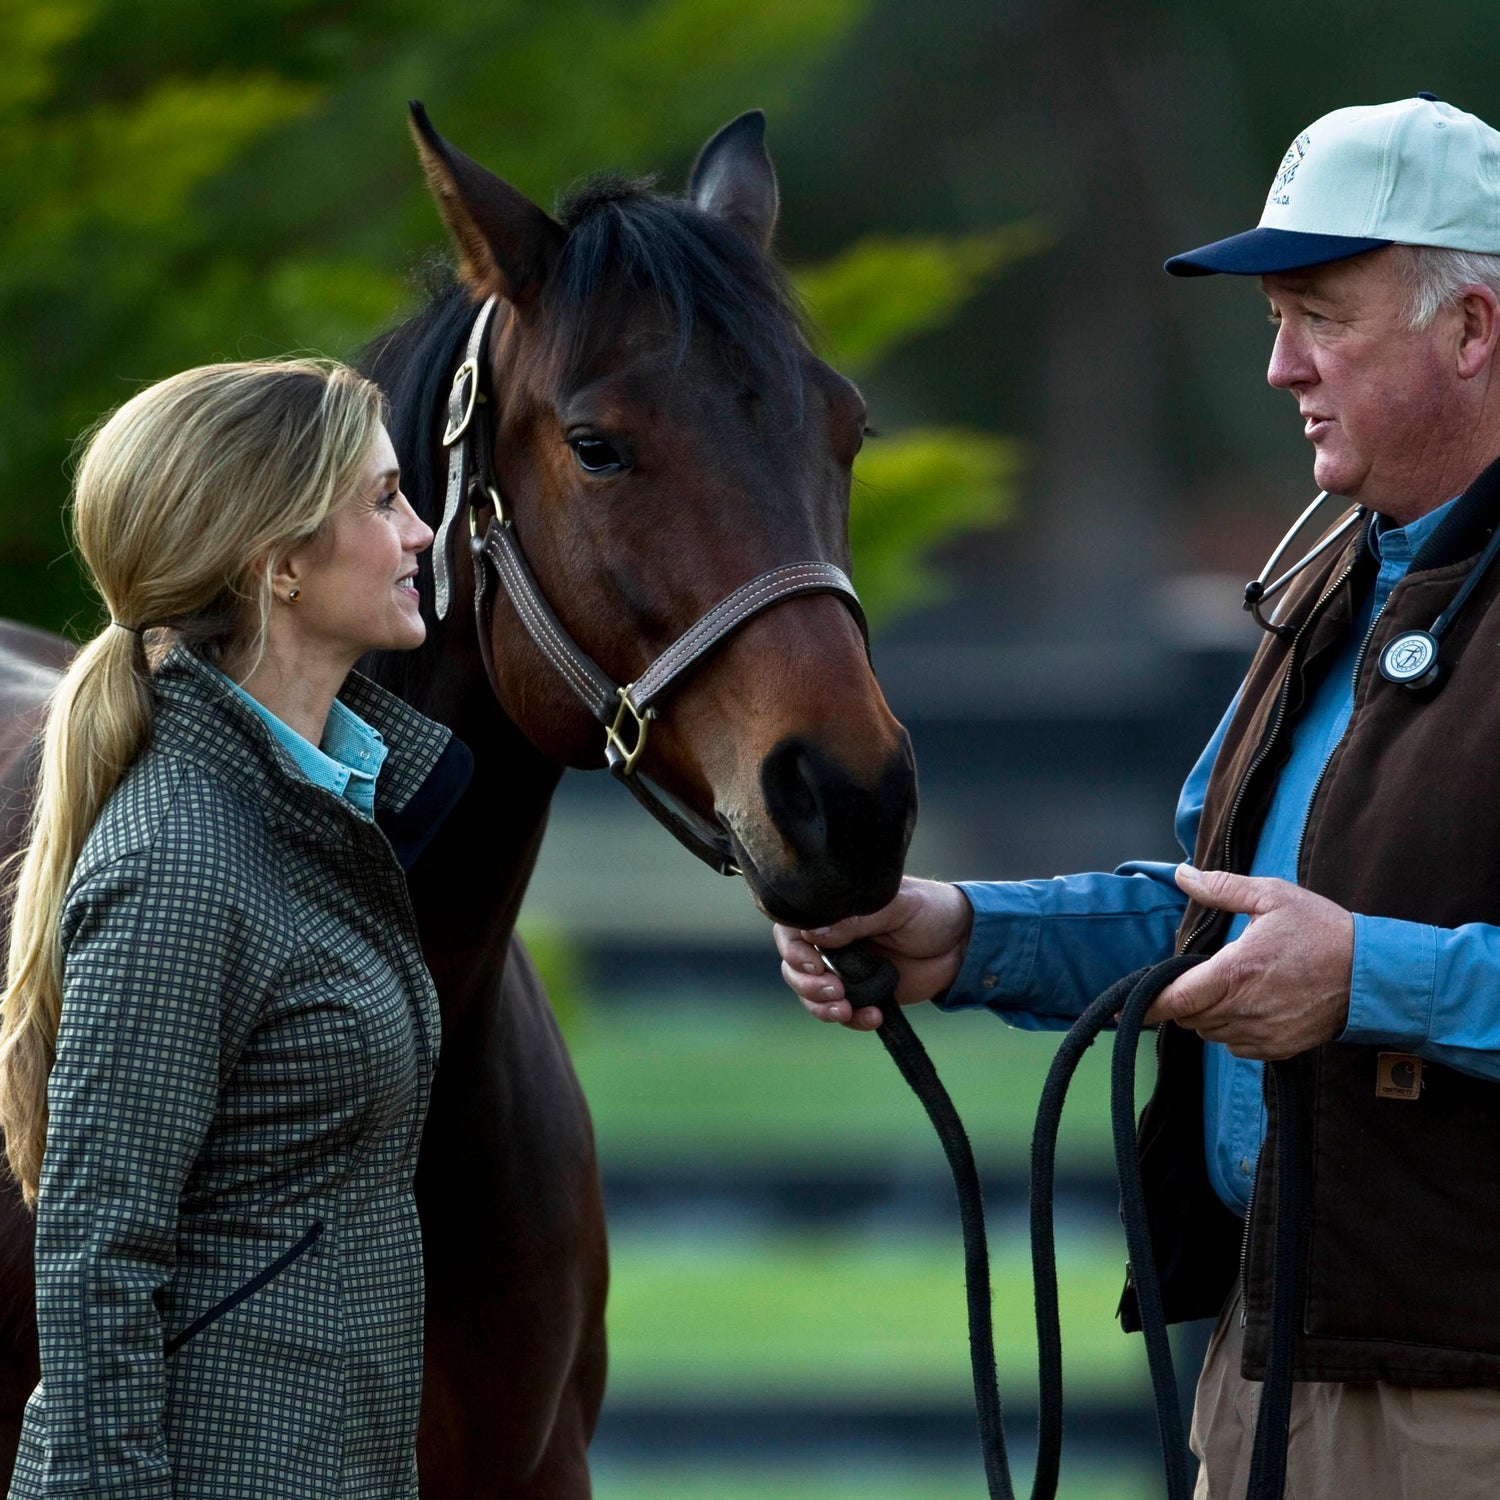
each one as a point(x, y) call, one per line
point(1411, 659)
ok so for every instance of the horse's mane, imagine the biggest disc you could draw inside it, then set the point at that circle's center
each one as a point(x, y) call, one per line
point(621, 236)
point(413, 364)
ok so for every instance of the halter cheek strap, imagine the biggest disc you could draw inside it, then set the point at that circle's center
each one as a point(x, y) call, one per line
point(463, 396)
point(624, 711)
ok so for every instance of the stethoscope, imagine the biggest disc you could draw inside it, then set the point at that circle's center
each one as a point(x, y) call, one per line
point(1411, 659)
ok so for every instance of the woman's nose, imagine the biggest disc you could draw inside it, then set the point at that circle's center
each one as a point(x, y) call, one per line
point(418, 535)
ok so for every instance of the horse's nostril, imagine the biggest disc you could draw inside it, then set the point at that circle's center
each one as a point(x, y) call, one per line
point(843, 837)
point(789, 783)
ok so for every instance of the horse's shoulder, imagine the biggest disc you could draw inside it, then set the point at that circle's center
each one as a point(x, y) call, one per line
point(31, 662)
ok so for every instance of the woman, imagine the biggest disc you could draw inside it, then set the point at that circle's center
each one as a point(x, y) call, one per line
point(212, 936)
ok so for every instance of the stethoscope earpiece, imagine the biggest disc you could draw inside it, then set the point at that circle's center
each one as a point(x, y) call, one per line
point(1260, 589)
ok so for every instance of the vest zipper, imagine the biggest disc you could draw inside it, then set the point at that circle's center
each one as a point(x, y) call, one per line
point(1234, 808)
point(1270, 740)
point(1359, 661)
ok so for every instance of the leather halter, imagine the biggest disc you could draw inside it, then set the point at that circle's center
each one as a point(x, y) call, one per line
point(625, 711)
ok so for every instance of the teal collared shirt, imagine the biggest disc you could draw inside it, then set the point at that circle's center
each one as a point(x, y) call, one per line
point(346, 763)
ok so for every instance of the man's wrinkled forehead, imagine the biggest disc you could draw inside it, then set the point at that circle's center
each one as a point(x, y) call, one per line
point(1343, 281)
point(1303, 285)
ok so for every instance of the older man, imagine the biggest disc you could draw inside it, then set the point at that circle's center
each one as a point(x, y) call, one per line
point(1344, 826)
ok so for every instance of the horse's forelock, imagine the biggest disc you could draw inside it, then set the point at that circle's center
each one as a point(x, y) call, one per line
point(625, 238)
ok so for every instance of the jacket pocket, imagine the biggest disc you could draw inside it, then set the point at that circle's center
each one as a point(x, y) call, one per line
point(250, 1288)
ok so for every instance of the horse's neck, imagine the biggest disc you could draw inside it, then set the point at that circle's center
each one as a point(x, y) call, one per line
point(468, 885)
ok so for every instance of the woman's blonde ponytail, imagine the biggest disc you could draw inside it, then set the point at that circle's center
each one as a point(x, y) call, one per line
point(98, 722)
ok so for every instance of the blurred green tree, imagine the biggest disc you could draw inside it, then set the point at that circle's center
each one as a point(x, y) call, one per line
point(924, 485)
point(180, 183)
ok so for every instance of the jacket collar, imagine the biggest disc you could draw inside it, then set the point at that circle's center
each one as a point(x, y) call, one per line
point(1466, 526)
point(199, 717)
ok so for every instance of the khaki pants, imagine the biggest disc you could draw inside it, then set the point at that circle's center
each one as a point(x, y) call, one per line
point(1364, 1441)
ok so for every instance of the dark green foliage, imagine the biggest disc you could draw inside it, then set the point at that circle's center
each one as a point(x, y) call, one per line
point(181, 183)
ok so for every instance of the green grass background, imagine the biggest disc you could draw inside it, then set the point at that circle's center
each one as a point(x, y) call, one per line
point(893, 1481)
point(722, 1308)
point(740, 1078)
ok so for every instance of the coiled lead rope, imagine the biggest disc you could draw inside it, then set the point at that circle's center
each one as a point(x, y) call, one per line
point(1128, 999)
point(871, 980)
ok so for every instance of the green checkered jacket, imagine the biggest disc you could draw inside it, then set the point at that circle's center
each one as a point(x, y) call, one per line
point(229, 1276)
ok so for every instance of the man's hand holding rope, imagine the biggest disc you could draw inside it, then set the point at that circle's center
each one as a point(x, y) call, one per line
point(1283, 986)
point(924, 932)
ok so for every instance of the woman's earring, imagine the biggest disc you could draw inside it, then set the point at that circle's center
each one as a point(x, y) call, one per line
point(293, 595)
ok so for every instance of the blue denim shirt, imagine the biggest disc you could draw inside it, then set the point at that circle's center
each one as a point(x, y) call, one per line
point(349, 759)
point(1042, 949)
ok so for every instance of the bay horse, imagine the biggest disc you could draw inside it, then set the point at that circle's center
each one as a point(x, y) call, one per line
point(657, 432)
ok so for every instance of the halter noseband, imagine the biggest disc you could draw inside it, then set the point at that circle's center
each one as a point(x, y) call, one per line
point(625, 712)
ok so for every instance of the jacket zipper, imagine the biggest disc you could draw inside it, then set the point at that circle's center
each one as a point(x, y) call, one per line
point(249, 1289)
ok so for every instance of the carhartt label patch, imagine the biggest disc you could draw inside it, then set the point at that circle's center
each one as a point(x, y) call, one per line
point(1398, 1075)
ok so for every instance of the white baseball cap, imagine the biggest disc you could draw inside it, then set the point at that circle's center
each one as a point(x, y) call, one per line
point(1414, 172)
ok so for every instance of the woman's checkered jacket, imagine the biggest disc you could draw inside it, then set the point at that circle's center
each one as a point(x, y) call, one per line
point(229, 1277)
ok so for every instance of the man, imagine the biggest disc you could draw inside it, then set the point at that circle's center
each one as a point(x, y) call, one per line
point(1344, 827)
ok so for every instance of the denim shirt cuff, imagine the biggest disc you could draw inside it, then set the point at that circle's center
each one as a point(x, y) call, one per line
point(1001, 955)
point(1392, 983)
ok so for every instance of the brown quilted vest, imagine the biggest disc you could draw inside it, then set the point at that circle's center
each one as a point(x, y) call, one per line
point(1402, 1232)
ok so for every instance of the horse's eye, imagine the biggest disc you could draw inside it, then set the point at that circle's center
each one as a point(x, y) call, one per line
point(595, 456)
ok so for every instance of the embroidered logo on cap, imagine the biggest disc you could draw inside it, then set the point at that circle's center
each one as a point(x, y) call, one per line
point(1295, 153)
point(1398, 1075)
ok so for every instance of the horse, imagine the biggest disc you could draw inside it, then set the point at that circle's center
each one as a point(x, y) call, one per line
point(656, 438)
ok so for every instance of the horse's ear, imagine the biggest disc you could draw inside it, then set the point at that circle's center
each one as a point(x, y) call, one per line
point(507, 244)
point(733, 178)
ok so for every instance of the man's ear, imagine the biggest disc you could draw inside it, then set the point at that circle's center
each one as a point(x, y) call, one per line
point(733, 179)
point(1479, 336)
point(506, 244)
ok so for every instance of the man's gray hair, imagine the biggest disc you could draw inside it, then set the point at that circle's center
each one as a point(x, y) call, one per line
point(1433, 278)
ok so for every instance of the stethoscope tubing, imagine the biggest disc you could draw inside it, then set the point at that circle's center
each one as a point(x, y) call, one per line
point(1411, 659)
point(1258, 591)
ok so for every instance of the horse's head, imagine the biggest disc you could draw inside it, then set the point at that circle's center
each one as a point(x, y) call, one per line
point(662, 434)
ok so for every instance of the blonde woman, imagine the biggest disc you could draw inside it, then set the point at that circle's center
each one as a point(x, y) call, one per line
point(218, 1032)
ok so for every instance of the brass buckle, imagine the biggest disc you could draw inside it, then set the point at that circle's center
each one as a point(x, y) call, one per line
point(496, 504)
point(457, 429)
point(622, 757)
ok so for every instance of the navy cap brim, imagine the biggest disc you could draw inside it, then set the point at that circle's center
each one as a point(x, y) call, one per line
point(1259, 252)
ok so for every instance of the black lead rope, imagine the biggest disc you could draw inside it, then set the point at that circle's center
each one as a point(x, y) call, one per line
point(870, 980)
point(1128, 999)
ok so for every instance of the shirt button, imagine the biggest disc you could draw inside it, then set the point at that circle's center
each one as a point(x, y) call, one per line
point(1244, 1166)
point(364, 755)
point(990, 981)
